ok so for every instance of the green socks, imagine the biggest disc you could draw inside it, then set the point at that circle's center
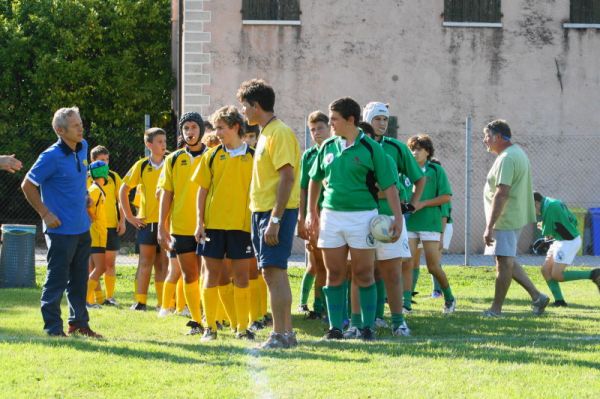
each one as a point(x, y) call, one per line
point(555, 289)
point(448, 297)
point(318, 303)
point(407, 299)
point(381, 296)
point(436, 283)
point(397, 320)
point(571, 275)
point(416, 273)
point(368, 304)
point(336, 304)
point(356, 320)
point(307, 282)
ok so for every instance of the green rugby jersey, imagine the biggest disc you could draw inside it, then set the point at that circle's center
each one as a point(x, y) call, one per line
point(447, 211)
point(351, 174)
point(308, 159)
point(406, 164)
point(384, 206)
point(557, 220)
point(430, 218)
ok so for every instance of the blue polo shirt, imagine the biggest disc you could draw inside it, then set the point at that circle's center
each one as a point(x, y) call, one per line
point(61, 175)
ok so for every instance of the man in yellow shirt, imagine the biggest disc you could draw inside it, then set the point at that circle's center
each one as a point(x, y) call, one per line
point(143, 176)
point(274, 201)
point(178, 199)
point(223, 227)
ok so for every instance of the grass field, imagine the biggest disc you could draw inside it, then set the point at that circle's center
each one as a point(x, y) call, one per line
point(462, 355)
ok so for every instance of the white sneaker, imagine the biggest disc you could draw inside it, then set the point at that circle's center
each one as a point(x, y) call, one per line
point(381, 323)
point(352, 333)
point(450, 307)
point(406, 311)
point(165, 312)
point(402, 330)
point(539, 305)
point(185, 312)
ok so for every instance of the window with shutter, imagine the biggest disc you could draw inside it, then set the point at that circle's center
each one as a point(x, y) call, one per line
point(472, 13)
point(269, 12)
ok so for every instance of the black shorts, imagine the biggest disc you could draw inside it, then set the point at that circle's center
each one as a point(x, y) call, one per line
point(97, 250)
point(148, 235)
point(184, 244)
point(172, 254)
point(113, 241)
point(234, 244)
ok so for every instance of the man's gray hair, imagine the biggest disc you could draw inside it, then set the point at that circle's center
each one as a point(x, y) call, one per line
point(59, 121)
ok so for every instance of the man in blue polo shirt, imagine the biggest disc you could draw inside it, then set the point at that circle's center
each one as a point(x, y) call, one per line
point(56, 188)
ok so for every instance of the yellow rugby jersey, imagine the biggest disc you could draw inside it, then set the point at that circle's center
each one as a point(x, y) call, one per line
point(176, 178)
point(143, 176)
point(227, 178)
point(111, 202)
point(276, 147)
point(97, 214)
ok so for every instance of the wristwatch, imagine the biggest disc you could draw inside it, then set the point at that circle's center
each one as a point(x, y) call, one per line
point(275, 220)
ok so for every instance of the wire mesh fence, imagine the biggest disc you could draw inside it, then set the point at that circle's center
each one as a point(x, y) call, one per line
point(563, 167)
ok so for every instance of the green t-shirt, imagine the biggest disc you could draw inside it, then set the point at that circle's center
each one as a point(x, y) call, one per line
point(430, 218)
point(406, 164)
point(308, 159)
point(351, 174)
point(557, 220)
point(384, 206)
point(511, 168)
point(447, 211)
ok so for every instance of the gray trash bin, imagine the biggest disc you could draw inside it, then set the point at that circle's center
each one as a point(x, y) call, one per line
point(17, 256)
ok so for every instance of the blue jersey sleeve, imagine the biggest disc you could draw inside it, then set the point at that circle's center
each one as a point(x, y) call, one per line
point(42, 169)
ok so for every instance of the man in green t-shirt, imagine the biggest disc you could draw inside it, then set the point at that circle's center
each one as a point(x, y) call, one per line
point(508, 200)
point(559, 224)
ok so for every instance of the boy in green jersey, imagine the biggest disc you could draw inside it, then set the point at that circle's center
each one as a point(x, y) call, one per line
point(559, 224)
point(425, 224)
point(318, 124)
point(352, 168)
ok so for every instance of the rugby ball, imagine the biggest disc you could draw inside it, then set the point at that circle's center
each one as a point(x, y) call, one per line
point(379, 227)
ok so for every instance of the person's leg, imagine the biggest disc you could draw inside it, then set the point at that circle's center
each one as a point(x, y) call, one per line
point(308, 280)
point(336, 287)
point(432, 258)
point(110, 275)
point(363, 264)
point(161, 266)
point(98, 261)
point(408, 273)
point(381, 298)
point(210, 290)
point(547, 271)
point(524, 281)
point(320, 278)
point(61, 249)
point(391, 271)
point(145, 262)
point(173, 274)
point(226, 298)
point(78, 276)
point(254, 294)
point(504, 275)
point(190, 271)
point(280, 292)
point(240, 293)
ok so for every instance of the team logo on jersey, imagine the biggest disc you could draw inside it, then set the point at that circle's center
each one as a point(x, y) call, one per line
point(184, 162)
point(357, 160)
point(222, 157)
point(407, 182)
point(560, 255)
point(370, 240)
point(328, 158)
point(248, 249)
point(85, 162)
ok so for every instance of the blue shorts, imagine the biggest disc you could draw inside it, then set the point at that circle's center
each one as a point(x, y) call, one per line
point(278, 255)
point(148, 235)
point(113, 241)
point(184, 244)
point(234, 244)
point(505, 243)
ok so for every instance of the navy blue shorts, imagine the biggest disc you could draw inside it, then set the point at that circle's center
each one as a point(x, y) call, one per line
point(148, 235)
point(97, 250)
point(184, 244)
point(172, 254)
point(278, 255)
point(113, 241)
point(234, 244)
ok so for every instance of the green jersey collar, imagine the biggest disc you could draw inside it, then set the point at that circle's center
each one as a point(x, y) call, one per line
point(341, 142)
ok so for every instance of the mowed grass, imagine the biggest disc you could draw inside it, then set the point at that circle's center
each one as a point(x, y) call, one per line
point(556, 355)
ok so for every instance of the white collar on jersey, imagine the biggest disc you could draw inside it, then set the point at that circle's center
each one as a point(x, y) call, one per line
point(236, 152)
point(155, 165)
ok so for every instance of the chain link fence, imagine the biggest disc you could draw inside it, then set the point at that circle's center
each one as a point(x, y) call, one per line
point(563, 167)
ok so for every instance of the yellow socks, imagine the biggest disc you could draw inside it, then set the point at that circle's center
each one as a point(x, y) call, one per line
point(180, 296)
point(110, 282)
point(91, 288)
point(168, 294)
point(99, 295)
point(192, 297)
point(158, 286)
point(253, 300)
point(210, 298)
point(241, 299)
point(141, 298)
point(226, 295)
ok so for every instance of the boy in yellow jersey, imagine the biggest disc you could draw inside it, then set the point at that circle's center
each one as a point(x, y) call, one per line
point(223, 227)
point(96, 210)
point(178, 200)
point(144, 175)
point(274, 201)
point(115, 224)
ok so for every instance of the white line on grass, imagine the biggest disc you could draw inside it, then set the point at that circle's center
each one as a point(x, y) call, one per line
point(258, 376)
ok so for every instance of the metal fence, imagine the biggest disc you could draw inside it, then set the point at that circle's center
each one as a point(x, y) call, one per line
point(564, 167)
